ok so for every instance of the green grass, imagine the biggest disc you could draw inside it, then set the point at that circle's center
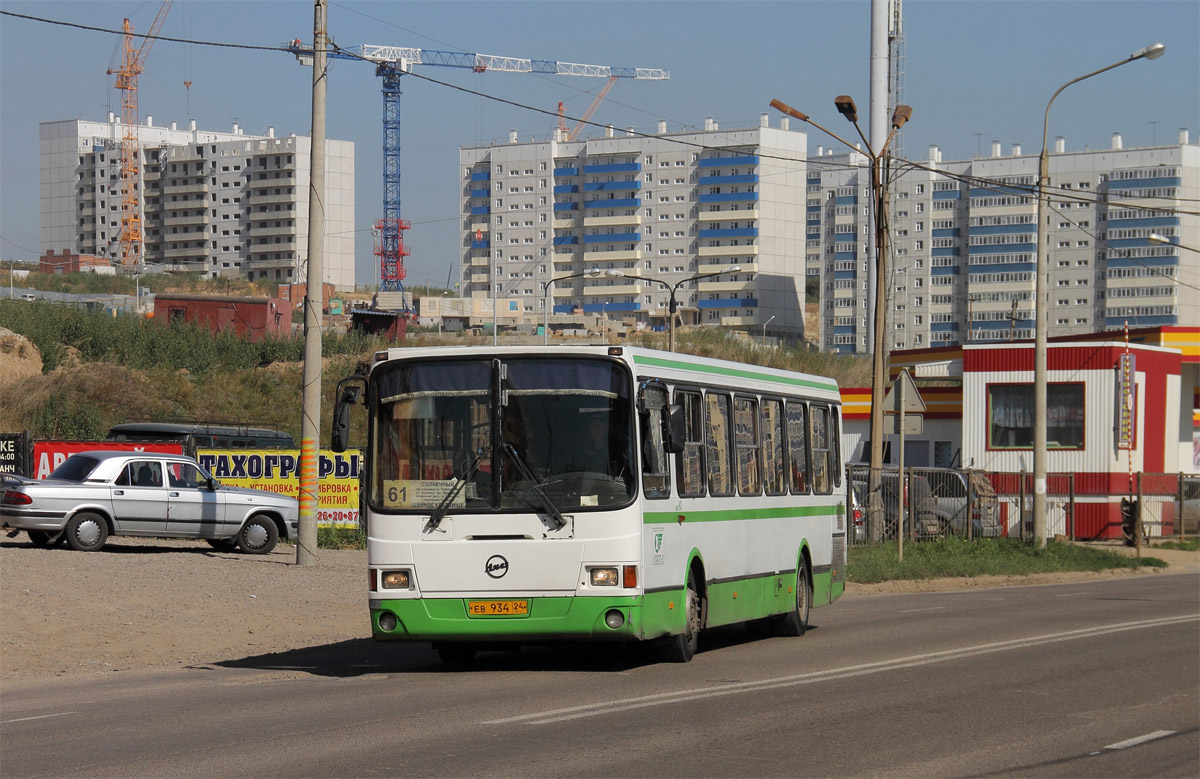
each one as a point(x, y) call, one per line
point(953, 557)
point(341, 538)
point(1186, 545)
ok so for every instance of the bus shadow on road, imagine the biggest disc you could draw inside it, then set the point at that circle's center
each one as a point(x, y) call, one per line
point(364, 656)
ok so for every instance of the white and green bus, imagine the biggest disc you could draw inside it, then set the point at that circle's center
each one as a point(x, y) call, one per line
point(518, 494)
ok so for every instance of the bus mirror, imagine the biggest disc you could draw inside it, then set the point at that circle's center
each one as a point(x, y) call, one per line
point(675, 428)
point(347, 396)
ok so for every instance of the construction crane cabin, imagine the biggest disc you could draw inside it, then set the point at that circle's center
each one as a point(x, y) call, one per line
point(130, 240)
point(392, 62)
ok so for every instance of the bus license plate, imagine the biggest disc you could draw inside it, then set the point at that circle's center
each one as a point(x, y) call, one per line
point(497, 608)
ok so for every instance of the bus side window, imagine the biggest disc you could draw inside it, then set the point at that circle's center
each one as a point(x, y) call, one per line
point(797, 447)
point(720, 450)
point(821, 452)
point(691, 459)
point(746, 440)
point(656, 473)
point(772, 446)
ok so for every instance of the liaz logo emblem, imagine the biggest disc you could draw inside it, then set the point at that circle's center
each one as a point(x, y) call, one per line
point(658, 542)
point(496, 566)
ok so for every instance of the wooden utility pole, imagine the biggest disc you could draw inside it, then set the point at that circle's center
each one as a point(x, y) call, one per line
point(310, 450)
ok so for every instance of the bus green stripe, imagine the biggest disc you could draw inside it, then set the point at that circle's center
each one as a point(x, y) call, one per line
point(660, 362)
point(727, 515)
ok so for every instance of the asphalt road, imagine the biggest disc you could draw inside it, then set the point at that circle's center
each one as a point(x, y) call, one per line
point(1086, 679)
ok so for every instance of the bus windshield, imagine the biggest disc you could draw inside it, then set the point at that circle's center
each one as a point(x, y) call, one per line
point(486, 435)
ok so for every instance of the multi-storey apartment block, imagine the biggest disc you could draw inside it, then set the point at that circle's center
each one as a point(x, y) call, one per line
point(614, 225)
point(963, 244)
point(217, 203)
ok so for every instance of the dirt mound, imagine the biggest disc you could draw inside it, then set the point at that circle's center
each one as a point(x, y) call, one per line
point(19, 358)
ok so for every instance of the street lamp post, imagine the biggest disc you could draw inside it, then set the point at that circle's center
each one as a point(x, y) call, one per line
point(672, 305)
point(769, 321)
point(900, 115)
point(1042, 305)
point(591, 273)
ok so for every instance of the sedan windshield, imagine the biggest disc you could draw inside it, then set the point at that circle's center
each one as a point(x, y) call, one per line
point(75, 468)
point(532, 434)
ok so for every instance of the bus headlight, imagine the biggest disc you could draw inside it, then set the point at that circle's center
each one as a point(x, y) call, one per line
point(396, 580)
point(604, 577)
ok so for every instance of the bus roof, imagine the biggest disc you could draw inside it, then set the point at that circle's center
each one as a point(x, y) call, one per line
point(654, 362)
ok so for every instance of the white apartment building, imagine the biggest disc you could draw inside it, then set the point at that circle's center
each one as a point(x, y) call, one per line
point(963, 244)
point(615, 225)
point(217, 203)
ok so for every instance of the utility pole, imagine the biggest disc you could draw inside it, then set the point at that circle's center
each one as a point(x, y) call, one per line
point(310, 450)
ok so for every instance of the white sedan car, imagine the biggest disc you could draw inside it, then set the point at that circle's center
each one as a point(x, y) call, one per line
point(93, 495)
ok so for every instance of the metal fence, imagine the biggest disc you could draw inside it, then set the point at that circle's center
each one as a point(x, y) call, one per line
point(940, 502)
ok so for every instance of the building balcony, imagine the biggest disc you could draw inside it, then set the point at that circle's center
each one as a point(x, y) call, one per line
point(258, 232)
point(613, 238)
point(480, 193)
point(564, 224)
point(746, 267)
point(180, 221)
point(612, 186)
point(188, 188)
point(621, 256)
point(480, 261)
point(615, 167)
point(480, 278)
point(175, 254)
point(725, 216)
point(727, 251)
point(712, 285)
point(481, 176)
point(595, 290)
point(270, 243)
point(265, 197)
point(727, 303)
point(729, 197)
point(624, 202)
point(481, 226)
point(484, 244)
point(609, 221)
point(749, 178)
point(730, 232)
point(728, 162)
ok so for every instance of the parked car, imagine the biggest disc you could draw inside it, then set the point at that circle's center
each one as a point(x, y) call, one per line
point(29, 297)
point(920, 516)
point(948, 503)
point(95, 494)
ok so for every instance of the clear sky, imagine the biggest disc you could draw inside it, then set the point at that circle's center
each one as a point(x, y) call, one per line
point(974, 72)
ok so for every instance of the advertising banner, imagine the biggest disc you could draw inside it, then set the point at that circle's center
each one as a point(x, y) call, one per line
point(14, 453)
point(48, 455)
point(278, 470)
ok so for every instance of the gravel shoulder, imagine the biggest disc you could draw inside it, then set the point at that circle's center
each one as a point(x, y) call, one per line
point(145, 604)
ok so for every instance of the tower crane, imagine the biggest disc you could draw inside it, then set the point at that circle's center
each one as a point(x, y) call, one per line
point(130, 240)
point(392, 62)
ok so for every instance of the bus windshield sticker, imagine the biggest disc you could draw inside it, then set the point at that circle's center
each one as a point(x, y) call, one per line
point(419, 493)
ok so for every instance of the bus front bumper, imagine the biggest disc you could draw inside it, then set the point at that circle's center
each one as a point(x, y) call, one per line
point(450, 619)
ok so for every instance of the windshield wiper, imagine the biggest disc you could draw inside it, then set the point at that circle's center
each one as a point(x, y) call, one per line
point(536, 487)
point(439, 512)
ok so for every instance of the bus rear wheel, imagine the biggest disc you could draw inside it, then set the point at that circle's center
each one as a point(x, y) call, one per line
point(795, 622)
point(682, 648)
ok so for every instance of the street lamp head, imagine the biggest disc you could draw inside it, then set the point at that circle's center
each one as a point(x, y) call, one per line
point(1151, 52)
point(783, 107)
point(845, 106)
point(616, 274)
point(732, 269)
point(593, 273)
point(901, 115)
point(1158, 238)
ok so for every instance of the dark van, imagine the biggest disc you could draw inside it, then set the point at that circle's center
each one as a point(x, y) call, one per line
point(202, 435)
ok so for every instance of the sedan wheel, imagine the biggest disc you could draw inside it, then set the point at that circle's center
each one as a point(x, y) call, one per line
point(258, 536)
point(87, 532)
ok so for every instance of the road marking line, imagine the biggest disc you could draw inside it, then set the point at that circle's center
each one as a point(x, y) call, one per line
point(914, 611)
point(1141, 739)
point(660, 699)
point(41, 716)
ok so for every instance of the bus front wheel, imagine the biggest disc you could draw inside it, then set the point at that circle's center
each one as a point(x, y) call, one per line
point(681, 648)
point(795, 622)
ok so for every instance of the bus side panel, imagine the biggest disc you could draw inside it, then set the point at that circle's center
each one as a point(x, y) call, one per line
point(750, 598)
